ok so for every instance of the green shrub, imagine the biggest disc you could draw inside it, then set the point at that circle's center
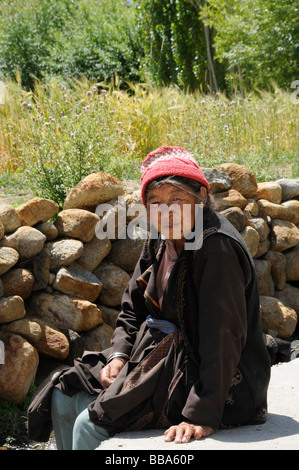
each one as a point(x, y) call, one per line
point(41, 38)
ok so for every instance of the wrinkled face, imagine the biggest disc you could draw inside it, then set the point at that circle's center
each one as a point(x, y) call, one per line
point(171, 211)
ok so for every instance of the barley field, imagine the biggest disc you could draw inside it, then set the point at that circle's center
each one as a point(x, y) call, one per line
point(61, 131)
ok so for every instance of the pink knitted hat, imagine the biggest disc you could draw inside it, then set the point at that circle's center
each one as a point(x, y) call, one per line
point(166, 161)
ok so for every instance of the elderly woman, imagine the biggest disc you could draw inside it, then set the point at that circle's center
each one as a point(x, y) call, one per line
point(187, 352)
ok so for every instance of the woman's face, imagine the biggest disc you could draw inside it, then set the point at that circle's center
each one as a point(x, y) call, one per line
point(172, 210)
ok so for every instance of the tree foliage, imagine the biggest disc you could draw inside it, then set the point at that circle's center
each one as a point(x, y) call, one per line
point(207, 44)
point(72, 38)
point(257, 40)
point(176, 47)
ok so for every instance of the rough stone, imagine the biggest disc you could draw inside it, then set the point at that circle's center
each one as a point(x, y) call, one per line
point(98, 338)
point(219, 180)
point(77, 281)
point(126, 252)
point(242, 178)
point(64, 252)
point(284, 235)
point(8, 258)
point(109, 315)
point(278, 317)
point(278, 268)
point(264, 278)
point(292, 211)
point(41, 269)
point(133, 204)
point(289, 295)
point(64, 311)
point(252, 239)
point(270, 191)
point(263, 247)
point(289, 188)
point(94, 252)
point(76, 223)
point(25, 327)
point(2, 229)
point(292, 264)
point(275, 211)
point(48, 229)
point(93, 190)
point(37, 210)
point(261, 226)
point(226, 199)
point(9, 217)
point(11, 308)
point(114, 280)
point(252, 207)
point(19, 369)
point(18, 282)
point(236, 217)
point(27, 241)
point(52, 342)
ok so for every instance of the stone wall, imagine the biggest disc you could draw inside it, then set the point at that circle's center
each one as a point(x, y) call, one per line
point(61, 286)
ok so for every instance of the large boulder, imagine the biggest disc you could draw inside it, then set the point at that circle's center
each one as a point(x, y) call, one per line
point(77, 281)
point(292, 211)
point(52, 342)
point(264, 278)
point(219, 180)
point(98, 338)
point(275, 211)
point(236, 217)
point(11, 308)
point(64, 311)
point(64, 252)
point(251, 239)
point(76, 223)
point(19, 368)
point(19, 282)
point(242, 178)
point(289, 295)
point(126, 252)
point(94, 252)
point(226, 199)
point(27, 241)
point(292, 264)
point(114, 280)
point(93, 190)
point(278, 268)
point(289, 188)
point(284, 235)
point(8, 258)
point(277, 316)
point(270, 191)
point(37, 210)
point(9, 217)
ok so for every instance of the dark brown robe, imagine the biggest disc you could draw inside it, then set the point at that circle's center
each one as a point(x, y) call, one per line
point(213, 370)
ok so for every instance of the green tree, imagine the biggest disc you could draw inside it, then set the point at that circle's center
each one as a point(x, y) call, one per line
point(177, 50)
point(72, 38)
point(256, 40)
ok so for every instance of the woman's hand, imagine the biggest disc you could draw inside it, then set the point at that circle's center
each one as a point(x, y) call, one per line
point(111, 371)
point(184, 431)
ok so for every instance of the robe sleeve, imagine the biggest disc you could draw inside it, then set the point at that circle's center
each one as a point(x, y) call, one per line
point(222, 330)
point(133, 311)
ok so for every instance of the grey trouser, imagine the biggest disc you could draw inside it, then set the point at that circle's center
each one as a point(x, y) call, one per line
point(72, 427)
